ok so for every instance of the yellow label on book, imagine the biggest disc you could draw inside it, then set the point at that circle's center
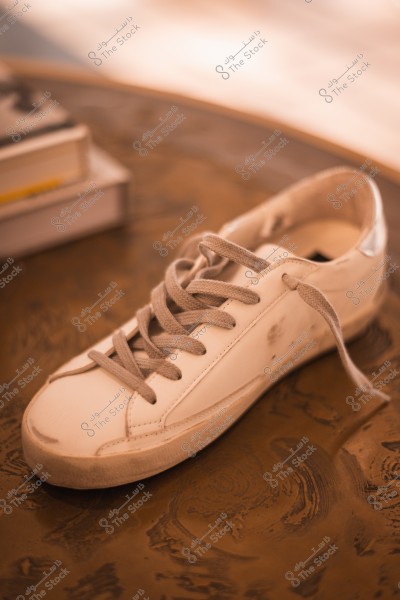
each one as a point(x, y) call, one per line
point(32, 190)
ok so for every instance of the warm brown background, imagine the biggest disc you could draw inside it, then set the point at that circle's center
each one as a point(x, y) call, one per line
point(179, 45)
point(273, 528)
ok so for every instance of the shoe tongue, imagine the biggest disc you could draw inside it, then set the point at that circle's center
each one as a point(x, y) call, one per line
point(272, 253)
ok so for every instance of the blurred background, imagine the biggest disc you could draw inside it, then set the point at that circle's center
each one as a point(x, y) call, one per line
point(180, 44)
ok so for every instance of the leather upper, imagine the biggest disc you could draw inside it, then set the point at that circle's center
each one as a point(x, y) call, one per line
point(61, 413)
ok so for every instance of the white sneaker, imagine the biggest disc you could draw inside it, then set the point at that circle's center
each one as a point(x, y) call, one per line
point(275, 288)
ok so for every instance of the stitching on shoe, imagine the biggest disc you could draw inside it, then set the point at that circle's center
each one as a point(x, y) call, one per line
point(172, 427)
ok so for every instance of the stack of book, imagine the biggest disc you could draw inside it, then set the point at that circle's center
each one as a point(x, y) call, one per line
point(55, 185)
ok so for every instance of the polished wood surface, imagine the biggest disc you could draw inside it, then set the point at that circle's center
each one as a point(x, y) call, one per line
point(272, 527)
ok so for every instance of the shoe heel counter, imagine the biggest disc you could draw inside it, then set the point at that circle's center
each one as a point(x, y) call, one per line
point(374, 242)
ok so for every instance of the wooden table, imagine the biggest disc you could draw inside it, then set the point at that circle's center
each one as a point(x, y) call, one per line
point(272, 528)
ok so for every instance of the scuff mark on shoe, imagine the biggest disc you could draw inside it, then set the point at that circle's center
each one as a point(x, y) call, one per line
point(275, 332)
point(44, 438)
